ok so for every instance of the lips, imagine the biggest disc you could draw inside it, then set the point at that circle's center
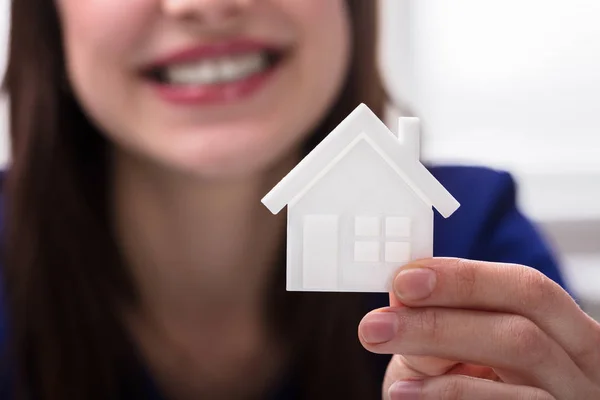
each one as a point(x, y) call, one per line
point(223, 71)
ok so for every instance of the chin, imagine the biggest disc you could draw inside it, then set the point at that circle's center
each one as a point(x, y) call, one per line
point(231, 159)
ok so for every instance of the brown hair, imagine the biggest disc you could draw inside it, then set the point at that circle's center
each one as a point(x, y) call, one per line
point(64, 277)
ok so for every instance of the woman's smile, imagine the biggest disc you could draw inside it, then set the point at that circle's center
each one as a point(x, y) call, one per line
point(219, 72)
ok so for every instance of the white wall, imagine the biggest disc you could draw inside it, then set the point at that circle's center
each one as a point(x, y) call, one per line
point(513, 84)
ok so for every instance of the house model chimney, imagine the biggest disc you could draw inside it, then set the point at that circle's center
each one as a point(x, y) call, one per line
point(409, 135)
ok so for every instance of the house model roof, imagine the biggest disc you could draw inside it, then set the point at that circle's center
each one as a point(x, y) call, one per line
point(362, 124)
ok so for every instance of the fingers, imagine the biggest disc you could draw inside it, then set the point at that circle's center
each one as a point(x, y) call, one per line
point(513, 289)
point(401, 367)
point(429, 366)
point(502, 341)
point(457, 387)
point(411, 367)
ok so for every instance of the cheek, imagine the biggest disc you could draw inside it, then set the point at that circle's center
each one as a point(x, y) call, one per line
point(325, 43)
point(101, 40)
point(325, 26)
point(97, 20)
point(325, 49)
point(103, 27)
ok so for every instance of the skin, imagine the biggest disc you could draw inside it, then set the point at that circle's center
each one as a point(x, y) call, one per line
point(187, 188)
point(466, 330)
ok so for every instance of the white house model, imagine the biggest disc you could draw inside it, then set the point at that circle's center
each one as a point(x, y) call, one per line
point(360, 205)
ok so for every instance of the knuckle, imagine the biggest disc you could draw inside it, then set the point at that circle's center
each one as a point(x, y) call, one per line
point(588, 351)
point(522, 337)
point(594, 393)
point(431, 324)
point(536, 289)
point(466, 278)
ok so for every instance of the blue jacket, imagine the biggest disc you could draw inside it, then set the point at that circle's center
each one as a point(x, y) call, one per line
point(488, 226)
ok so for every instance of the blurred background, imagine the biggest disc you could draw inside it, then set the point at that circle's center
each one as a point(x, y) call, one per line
point(511, 84)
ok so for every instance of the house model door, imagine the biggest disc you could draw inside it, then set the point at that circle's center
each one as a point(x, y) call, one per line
point(320, 252)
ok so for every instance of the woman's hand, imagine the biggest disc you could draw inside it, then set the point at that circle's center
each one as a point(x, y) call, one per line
point(473, 330)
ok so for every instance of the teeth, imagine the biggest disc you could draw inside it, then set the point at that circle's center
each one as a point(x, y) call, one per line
point(205, 72)
point(217, 70)
point(229, 70)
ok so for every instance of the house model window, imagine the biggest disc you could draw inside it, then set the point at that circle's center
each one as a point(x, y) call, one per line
point(382, 239)
point(360, 205)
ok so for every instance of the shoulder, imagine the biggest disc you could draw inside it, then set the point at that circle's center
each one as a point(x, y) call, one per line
point(485, 196)
point(489, 225)
point(475, 186)
point(483, 193)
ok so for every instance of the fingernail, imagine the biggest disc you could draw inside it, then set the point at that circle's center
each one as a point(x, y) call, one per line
point(406, 390)
point(379, 327)
point(415, 283)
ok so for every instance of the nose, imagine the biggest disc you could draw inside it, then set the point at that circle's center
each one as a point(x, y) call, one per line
point(208, 12)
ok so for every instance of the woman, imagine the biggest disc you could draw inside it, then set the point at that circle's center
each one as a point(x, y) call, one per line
point(139, 262)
